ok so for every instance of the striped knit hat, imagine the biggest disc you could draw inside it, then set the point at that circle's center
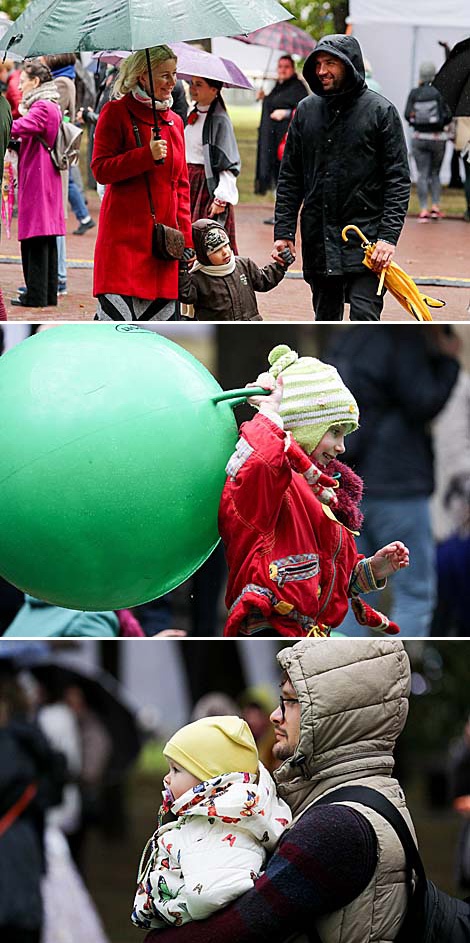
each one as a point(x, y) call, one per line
point(315, 397)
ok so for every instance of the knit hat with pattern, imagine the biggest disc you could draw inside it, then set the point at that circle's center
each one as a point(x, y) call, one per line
point(315, 397)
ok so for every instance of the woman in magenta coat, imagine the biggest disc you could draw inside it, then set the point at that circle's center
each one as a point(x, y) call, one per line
point(40, 207)
point(129, 282)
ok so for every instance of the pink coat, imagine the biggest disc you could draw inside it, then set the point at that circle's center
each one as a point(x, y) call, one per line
point(40, 206)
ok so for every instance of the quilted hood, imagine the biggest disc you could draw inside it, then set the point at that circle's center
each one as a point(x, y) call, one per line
point(353, 697)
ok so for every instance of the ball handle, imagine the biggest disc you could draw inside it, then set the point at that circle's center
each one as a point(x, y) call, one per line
point(236, 397)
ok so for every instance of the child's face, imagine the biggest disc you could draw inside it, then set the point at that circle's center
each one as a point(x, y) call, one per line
point(220, 256)
point(330, 446)
point(178, 780)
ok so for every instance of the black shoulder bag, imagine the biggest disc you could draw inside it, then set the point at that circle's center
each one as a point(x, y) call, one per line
point(432, 915)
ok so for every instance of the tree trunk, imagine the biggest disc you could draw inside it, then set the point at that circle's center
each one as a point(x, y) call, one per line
point(340, 12)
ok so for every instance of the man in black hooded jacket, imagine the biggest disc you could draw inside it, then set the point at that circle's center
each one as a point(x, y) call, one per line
point(346, 162)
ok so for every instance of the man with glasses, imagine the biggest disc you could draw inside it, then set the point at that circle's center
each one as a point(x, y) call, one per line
point(338, 874)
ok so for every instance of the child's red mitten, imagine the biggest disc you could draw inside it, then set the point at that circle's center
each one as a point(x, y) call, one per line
point(322, 485)
point(373, 619)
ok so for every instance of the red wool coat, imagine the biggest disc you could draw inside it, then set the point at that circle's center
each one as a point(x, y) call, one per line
point(284, 548)
point(124, 264)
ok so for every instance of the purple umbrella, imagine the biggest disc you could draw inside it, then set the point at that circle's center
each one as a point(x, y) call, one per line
point(193, 61)
point(283, 36)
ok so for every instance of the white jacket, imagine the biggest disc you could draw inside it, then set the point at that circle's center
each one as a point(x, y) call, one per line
point(213, 853)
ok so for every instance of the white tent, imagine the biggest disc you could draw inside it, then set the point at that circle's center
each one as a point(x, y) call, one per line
point(397, 36)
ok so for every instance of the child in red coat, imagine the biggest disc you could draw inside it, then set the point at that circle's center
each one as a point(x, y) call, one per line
point(289, 510)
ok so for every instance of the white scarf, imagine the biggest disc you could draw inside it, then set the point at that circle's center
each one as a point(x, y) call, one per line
point(141, 96)
point(45, 92)
point(219, 271)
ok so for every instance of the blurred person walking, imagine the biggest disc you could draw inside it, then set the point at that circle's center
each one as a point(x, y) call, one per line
point(401, 379)
point(144, 176)
point(428, 114)
point(40, 204)
point(212, 156)
point(277, 112)
point(346, 161)
point(5, 129)
point(32, 775)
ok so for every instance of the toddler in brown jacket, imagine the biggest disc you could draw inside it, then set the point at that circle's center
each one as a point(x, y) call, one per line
point(221, 286)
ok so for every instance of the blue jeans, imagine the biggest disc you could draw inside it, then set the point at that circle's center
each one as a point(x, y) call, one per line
point(413, 590)
point(61, 259)
point(76, 201)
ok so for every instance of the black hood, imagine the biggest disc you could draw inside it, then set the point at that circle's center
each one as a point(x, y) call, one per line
point(199, 229)
point(349, 51)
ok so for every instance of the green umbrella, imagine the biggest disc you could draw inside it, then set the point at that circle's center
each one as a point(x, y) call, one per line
point(55, 26)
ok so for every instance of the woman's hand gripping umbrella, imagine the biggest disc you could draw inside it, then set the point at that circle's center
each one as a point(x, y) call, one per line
point(397, 282)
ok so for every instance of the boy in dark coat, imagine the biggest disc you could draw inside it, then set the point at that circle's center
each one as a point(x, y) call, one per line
point(220, 285)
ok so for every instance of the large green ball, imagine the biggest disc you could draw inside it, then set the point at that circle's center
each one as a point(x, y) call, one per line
point(112, 458)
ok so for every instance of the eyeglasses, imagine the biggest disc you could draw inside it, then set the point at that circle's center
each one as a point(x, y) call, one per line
point(286, 700)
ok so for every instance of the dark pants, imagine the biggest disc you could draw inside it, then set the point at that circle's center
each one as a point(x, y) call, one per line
point(330, 292)
point(18, 935)
point(39, 258)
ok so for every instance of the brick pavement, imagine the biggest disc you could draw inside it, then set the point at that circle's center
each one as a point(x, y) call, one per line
point(437, 248)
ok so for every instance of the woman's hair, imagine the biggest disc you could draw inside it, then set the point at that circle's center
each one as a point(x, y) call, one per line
point(39, 70)
point(61, 61)
point(135, 65)
point(213, 83)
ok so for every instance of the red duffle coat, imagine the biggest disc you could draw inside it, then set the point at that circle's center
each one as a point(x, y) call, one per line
point(285, 550)
point(124, 264)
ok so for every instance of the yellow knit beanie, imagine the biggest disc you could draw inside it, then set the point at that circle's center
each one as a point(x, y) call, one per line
point(212, 746)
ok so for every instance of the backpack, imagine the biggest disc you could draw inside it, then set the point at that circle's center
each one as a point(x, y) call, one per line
point(66, 148)
point(428, 111)
point(432, 915)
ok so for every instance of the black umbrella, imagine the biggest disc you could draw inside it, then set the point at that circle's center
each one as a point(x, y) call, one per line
point(105, 697)
point(453, 79)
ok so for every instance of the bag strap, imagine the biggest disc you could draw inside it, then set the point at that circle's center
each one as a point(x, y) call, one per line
point(17, 808)
point(138, 141)
point(379, 803)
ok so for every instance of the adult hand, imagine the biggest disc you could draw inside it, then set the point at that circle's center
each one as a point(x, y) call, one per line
point(260, 95)
point(216, 209)
point(272, 402)
point(279, 245)
point(159, 149)
point(279, 114)
point(171, 633)
point(382, 255)
point(389, 559)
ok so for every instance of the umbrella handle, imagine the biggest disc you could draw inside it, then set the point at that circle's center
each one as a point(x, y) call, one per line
point(155, 129)
point(240, 396)
point(365, 241)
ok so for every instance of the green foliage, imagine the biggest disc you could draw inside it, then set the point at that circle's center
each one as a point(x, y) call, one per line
point(13, 8)
point(319, 17)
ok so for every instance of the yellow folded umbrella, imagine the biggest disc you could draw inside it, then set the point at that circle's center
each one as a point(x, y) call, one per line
point(397, 282)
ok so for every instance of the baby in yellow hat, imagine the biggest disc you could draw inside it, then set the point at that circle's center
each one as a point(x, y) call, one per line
point(227, 818)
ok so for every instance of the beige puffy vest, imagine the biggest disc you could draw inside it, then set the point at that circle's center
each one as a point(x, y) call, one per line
point(354, 703)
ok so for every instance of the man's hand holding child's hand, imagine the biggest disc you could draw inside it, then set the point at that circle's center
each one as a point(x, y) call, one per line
point(389, 559)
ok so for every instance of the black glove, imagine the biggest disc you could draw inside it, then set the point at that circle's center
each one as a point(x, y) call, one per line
point(188, 254)
point(287, 257)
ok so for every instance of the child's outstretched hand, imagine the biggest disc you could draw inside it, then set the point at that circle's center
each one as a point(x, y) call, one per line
point(389, 559)
point(272, 402)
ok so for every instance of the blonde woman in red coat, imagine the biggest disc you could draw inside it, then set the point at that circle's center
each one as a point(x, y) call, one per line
point(129, 282)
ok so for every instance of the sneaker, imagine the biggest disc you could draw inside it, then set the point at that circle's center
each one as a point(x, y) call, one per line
point(84, 227)
point(436, 213)
point(61, 289)
point(269, 222)
point(424, 216)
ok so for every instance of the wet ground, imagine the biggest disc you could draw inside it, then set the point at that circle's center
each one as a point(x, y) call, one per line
point(438, 248)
